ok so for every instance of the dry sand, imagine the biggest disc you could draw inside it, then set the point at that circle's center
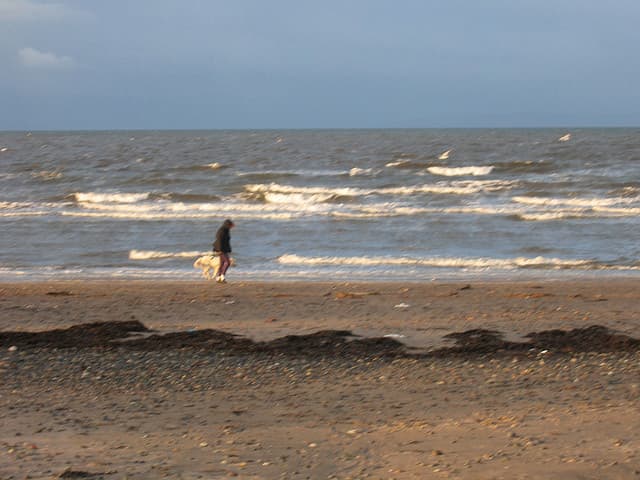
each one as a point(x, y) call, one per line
point(219, 407)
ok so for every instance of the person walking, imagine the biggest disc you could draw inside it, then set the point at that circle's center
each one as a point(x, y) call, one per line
point(222, 248)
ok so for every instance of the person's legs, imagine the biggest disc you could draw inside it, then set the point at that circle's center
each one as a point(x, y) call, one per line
point(224, 266)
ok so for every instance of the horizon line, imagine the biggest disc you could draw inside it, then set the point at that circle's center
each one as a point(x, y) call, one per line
point(275, 129)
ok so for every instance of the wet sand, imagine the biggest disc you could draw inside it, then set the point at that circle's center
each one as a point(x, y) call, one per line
point(187, 400)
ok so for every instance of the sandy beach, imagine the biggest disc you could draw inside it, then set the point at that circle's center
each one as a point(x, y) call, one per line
point(235, 380)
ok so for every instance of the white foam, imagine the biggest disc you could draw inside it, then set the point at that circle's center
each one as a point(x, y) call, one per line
point(153, 254)
point(301, 173)
point(442, 262)
point(461, 187)
point(297, 198)
point(354, 172)
point(445, 155)
point(397, 163)
point(290, 189)
point(618, 212)
point(277, 206)
point(177, 216)
point(461, 171)
point(14, 205)
point(557, 215)
point(92, 197)
point(576, 201)
point(35, 213)
point(22, 209)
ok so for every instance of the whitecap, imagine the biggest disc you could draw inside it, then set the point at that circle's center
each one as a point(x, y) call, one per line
point(575, 201)
point(441, 262)
point(354, 172)
point(445, 155)
point(154, 254)
point(178, 216)
point(455, 188)
point(397, 163)
point(93, 197)
point(461, 171)
point(565, 138)
point(299, 199)
point(557, 215)
point(14, 205)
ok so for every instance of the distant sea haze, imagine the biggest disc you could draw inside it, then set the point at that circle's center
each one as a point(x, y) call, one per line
point(396, 205)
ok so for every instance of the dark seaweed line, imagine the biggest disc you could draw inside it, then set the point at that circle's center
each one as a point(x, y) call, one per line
point(341, 343)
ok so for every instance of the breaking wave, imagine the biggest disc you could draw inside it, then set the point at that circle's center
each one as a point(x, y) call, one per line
point(92, 197)
point(455, 262)
point(297, 198)
point(268, 174)
point(354, 172)
point(461, 187)
point(460, 171)
point(576, 201)
point(154, 255)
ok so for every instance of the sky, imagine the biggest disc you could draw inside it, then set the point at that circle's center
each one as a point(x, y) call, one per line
point(254, 64)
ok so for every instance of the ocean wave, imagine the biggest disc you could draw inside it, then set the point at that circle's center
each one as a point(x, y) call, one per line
point(393, 210)
point(187, 197)
point(294, 173)
point(525, 166)
point(461, 187)
point(556, 215)
point(461, 171)
point(154, 254)
point(47, 175)
point(355, 171)
point(283, 204)
point(300, 199)
point(9, 176)
point(291, 206)
point(92, 197)
point(278, 207)
point(454, 262)
point(154, 216)
point(399, 163)
point(34, 213)
point(618, 211)
point(24, 209)
point(576, 201)
point(405, 164)
point(14, 205)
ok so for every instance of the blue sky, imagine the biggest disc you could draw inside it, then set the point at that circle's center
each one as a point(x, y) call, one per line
point(183, 64)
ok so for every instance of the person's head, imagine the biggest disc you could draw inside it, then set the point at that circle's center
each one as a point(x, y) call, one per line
point(229, 223)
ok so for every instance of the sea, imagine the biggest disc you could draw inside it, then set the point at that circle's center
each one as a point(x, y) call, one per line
point(334, 205)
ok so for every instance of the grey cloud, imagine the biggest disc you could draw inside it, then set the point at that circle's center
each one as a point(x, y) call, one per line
point(30, 57)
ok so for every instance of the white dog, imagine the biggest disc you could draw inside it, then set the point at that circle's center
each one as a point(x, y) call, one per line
point(209, 265)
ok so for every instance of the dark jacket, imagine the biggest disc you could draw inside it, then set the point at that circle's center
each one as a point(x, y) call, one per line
point(223, 238)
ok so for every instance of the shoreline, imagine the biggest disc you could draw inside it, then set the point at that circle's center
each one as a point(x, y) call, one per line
point(437, 276)
point(421, 313)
